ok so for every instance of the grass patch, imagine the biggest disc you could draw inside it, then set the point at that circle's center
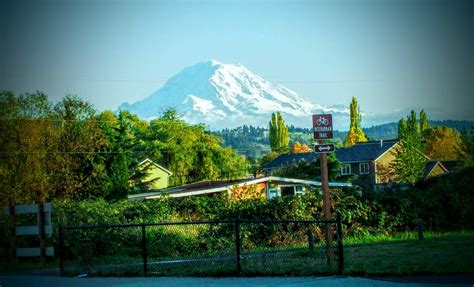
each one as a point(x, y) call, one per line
point(403, 236)
point(376, 255)
point(437, 254)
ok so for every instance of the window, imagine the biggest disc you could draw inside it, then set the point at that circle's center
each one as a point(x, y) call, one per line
point(291, 190)
point(287, 190)
point(346, 169)
point(272, 193)
point(299, 190)
point(364, 168)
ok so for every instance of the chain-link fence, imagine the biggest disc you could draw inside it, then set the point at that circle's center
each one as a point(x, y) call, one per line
point(204, 248)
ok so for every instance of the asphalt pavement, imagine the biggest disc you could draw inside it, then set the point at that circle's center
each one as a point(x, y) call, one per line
point(15, 280)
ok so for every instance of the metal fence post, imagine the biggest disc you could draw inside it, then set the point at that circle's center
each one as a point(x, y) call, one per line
point(144, 250)
point(61, 250)
point(340, 246)
point(237, 245)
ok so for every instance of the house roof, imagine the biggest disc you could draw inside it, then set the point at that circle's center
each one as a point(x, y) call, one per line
point(207, 187)
point(360, 152)
point(288, 159)
point(147, 160)
point(367, 151)
point(430, 166)
point(452, 165)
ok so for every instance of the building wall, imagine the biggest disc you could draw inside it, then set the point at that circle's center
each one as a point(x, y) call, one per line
point(162, 177)
point(436, 171)
point(384, 173)
point(355, 170)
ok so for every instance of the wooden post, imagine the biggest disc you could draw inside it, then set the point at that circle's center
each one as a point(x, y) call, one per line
point(419, 228)
point(310, 234)
point(237, 245)
point(144, 250)
point(12, 225)
point(42, 234)
point(61, 250)
point(340, 246)
point(327, 203)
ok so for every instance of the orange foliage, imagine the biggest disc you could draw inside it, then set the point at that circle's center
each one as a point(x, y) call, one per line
point(300, 148)
point(254, 191)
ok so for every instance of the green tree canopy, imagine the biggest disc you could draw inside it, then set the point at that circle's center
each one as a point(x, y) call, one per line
point(306, 170)
point(69, 152)
point(410, 160)
point(27, 139)
point(468, 143)
point(191, 152)
point(424, 124)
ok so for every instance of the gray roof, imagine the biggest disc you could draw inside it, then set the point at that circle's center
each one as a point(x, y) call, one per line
point(452, 165)
point(360, 152)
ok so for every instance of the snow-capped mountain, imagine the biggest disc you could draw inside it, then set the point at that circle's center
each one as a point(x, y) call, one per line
point(224, 95)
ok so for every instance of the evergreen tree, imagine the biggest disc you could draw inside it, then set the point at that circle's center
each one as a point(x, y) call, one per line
point(468, 143)
point(410, 160)
point(402, 128)
point(424, 124)
point(279, 138)
point(413, 127)
point(355, 134)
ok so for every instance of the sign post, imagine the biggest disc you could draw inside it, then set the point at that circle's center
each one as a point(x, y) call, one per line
point(322, 128)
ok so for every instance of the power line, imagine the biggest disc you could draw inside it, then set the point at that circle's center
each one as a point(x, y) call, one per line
point(162, 79)
point(63, 120)
point(112, 152)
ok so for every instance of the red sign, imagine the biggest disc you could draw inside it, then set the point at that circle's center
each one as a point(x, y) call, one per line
point(322, 127)
point(323, 148)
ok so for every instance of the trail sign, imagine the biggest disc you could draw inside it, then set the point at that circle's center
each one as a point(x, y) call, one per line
point(323, 148)
point(322, 126)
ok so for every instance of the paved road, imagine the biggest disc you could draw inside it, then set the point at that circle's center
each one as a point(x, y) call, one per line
point(53, 281)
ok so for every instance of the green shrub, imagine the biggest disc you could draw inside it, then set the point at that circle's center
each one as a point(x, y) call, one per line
point(443, 204)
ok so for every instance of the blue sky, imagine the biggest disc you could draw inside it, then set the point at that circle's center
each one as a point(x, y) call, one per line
point(392, 55)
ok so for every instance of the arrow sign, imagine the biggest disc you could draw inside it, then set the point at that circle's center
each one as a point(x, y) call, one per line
point(323, 148)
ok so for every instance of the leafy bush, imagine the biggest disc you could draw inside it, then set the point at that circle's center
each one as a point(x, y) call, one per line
point(443, 204)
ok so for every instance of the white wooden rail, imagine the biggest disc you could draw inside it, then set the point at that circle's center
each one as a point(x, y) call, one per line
point(33, 229)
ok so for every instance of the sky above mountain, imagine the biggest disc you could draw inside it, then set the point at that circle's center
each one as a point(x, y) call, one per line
point(392, 55)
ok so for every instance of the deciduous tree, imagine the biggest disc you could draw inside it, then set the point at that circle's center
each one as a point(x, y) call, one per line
point(443, 143)
point(297, 147)
point(279, 138)
point(355, 134)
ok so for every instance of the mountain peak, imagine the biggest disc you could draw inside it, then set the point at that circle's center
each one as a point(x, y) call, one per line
point(222, 95)
point(215, 63)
